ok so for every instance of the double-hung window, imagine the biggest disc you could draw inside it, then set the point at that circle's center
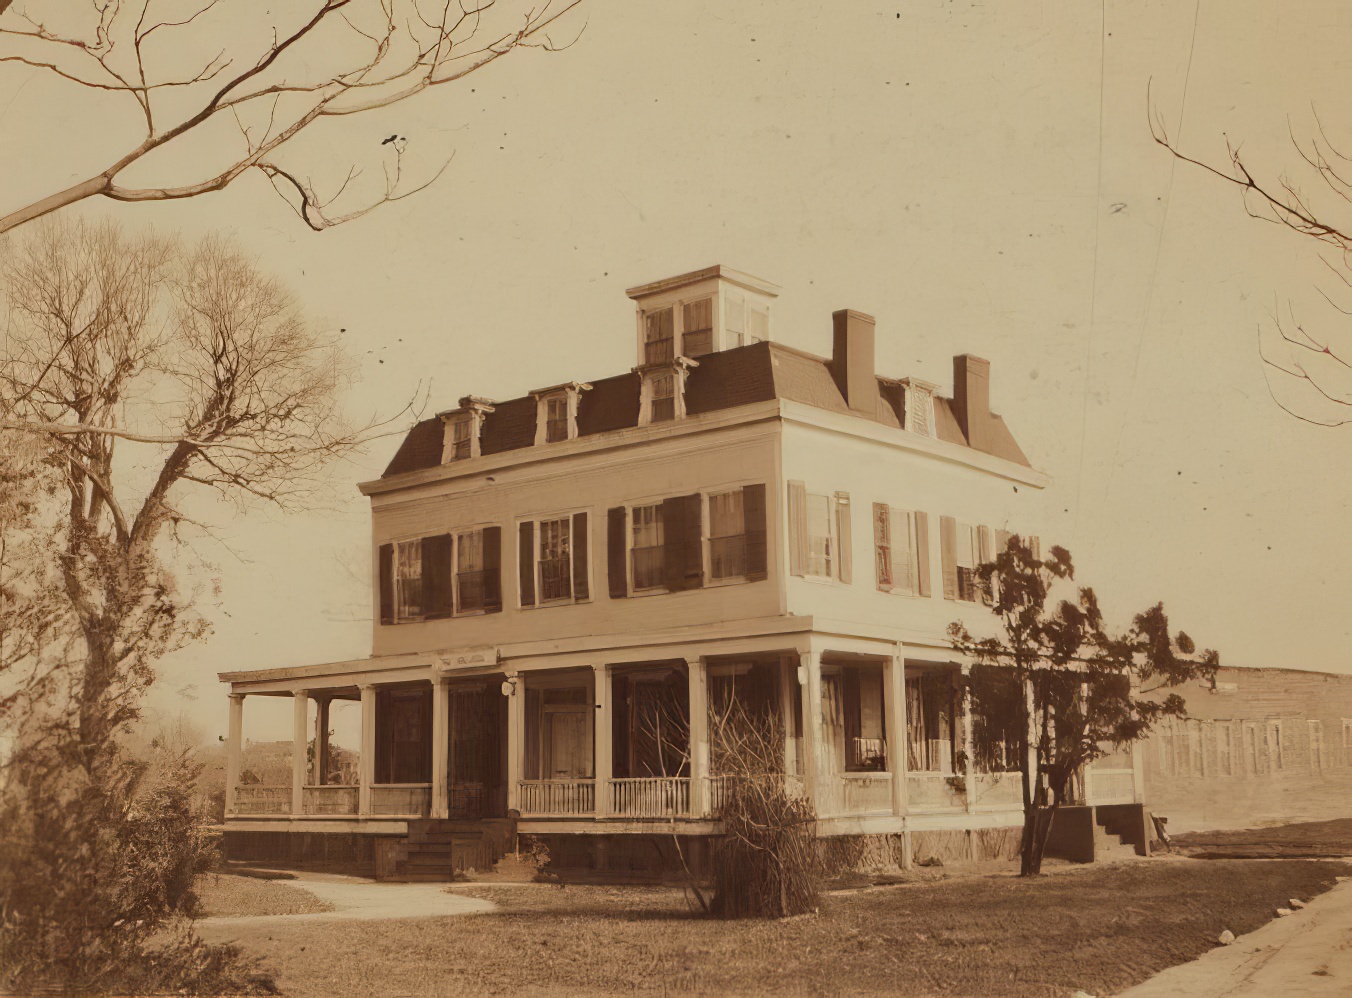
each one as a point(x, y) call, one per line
point(1316, 730)
point(553, 559)
point(659, 336)
point(901, 555)
point(647, 547)
point(469, 571)
point(820, 537)
point(408, 580)
point(556, 418)
point(460, 438)
point(663, 397)
point(727, 535)
point(819, 534)
point(697, 327)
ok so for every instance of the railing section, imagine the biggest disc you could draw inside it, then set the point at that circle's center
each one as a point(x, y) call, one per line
point(864, 792)
point(255, 799)
point(558, 796)
point(653, 797)
point(331, 799)
point(402, 798)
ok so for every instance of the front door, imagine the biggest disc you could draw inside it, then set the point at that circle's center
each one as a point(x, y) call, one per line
point(568, 749)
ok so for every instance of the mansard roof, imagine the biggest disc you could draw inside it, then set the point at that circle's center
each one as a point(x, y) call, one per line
point(760, 372)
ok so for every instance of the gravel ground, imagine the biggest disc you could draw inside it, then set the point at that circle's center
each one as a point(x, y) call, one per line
point(223, 894)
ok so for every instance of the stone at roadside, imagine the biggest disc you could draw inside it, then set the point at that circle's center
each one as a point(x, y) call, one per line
point(1283, 912)
point(1296, 903)
point(1226, 938)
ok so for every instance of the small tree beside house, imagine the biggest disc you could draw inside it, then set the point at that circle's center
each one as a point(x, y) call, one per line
point(1055, 690)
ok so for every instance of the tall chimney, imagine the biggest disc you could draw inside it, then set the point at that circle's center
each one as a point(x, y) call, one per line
point(972, 400)
point(852, 360)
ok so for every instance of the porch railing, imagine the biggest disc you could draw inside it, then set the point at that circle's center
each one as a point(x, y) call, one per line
point(933, 791)
point(556, 797)
point(720, 786)
point(331, 799)
point(250, 798)
point(402, 798)
point(997, 790)
point(865, 792)
point(650, 797)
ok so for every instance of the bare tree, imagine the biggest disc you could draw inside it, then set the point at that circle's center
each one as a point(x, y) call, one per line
point(283, 68)
point(1322, 363)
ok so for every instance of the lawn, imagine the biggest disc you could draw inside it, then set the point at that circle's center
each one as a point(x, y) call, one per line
point(224, 894)
point(1307, 838)
point(1100, 929)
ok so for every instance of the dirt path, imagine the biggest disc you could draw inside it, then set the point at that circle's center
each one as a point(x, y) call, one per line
point(1306, 953)
point(359, 899)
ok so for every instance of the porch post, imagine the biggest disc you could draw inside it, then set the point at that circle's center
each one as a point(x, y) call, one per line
point(697, 674)
point(300, 729)
point(322, 739)
point(787, 680)
point(894, 704)
point(968, 743)
point(516, 740)
point(440, 737)
point(233, 746)
point(366, 772)
point(810, 678)
point(601, 739)
point(1031, 701)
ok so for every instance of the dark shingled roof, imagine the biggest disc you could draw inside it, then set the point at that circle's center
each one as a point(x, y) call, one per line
point(742, 376)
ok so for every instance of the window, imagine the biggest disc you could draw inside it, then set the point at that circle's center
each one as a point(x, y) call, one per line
point(556, 418)
point(930, 709)
point(746, 322)
point(469, 571)
point(659, 336)
point(901, 546)
point(646, 552)
point(819, 534)
point(1197, 747)
point(460, 438)
point(1316, 730)
point(727, 535)
point(1225, 745)
point(1273, 745)
point(919, 416)
point(408, 580)
point(966, 563)
point(697, 325)
point(1251, 748)
point(663, 398)
point(862, 704)
point(552, 562)
point(820, 541)
point(963, 549)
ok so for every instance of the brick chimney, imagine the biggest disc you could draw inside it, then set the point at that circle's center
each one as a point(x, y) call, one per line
point(852, 360)
point(972, 400)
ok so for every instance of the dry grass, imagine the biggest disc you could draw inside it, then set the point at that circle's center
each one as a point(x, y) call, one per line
point(1097, 928)
point(223, 894)
point(1307, 838)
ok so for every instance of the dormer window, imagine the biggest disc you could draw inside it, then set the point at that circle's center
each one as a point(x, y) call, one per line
point(659, 336)
point(919, 400)
point(697, 327)
point(460, 439)
point(664, 398)
point(556, 412)
point(662, 391)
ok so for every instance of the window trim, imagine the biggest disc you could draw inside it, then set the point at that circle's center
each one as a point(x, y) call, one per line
point(569, 516)
point(832, 539)
point(895, 514)
point(629, 549)
point(707, 538)
point(399, 616)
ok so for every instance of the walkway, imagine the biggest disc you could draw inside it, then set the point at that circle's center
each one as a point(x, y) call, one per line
point(356, 898)
point(1305, 953)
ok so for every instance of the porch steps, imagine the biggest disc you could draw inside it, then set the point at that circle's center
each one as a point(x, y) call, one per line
point(437, 850)
point(1112, 840)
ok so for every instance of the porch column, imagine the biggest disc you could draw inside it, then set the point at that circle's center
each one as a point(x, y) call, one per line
point(366, 772)
point(321, 776)
point(601, 738)
point(894, 706)
point(697, 674)
point(1030, 700)
point(516, 739)
point(968, 743)
point(234, 744)
point(810, 679)
point(787, 681)
point(300, 730)
point(440, 737)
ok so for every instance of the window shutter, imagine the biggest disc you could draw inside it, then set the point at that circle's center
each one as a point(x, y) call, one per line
point(1001, 542)
point(525, 556)
point(617, 526)
point(984, 545)
point(882, 545)
point(948, 551)
point(581, 589)
point(387, 583)
point(694, 541)
point(492, 569)
point(753, 516)
point(797, 528)
point(438, 593)
point(673, 542)
point(844, 568)
point(922, 562)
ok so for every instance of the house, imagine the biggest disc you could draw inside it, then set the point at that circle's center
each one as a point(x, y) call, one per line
point(573, 585)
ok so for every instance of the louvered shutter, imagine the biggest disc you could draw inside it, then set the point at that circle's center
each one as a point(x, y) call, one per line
point(673, 542)
point(525, 558)
point(882, 545)
point(753, 517)
point(985, 553)
point(492, 569)
point(797, 528)
point(844, 538)
point(922, 562)
point(692, 525)
point(438, 593)
point(581, 570)
point(386, 569)
point(948, 551)
point(617, 526)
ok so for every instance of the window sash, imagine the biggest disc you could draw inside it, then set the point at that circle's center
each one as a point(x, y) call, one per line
point(556, 419)
point(554, 563)
point(460, 439)
point(663, 398)
point(408, 579)
point(820, 542)
point(659, 336)
point(697, 327)
point(469, 571)
point(904, 566)
point(647, 548)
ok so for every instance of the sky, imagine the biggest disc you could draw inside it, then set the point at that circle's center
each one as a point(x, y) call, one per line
point(981, 177)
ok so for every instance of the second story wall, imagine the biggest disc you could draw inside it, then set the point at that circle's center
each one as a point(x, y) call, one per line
point(624, 534)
